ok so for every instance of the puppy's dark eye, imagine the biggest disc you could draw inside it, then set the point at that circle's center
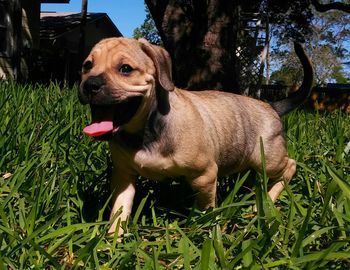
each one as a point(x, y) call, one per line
point(125, 69)
point(87, 65)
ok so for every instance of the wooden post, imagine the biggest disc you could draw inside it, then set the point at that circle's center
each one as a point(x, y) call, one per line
point(67, 63)
point(267, 44)
point(17, 39)
point(84, 7)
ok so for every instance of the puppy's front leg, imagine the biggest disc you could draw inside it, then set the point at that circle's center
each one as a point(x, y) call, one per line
point(123, 188)
point(205, 185)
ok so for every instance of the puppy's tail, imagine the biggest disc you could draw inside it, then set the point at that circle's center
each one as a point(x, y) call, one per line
point(300, 96)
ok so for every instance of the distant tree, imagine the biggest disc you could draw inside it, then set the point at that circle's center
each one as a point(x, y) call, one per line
point(327, 45)
point(327, 68)
point(325, 63)
point(338, 75)
point(148, 30)
point(287, 75)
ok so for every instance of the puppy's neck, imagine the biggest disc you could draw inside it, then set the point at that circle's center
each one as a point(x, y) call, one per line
point(157, 100)
point(147, 125)
point(137, 123)
point(162, 101)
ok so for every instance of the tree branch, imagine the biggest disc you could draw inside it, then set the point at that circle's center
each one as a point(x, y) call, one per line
point(331, 6)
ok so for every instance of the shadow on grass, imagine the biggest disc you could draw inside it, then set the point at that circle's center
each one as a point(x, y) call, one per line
point(171, 198)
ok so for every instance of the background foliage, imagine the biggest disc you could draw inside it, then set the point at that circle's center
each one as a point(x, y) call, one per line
point(327, 45)
point(148, 30)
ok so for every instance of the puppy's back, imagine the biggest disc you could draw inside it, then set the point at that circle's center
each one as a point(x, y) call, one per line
point(233, 124)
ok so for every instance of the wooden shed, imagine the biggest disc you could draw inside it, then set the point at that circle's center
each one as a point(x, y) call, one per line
point(19, 33)
point(42, 46)
point(60, 58)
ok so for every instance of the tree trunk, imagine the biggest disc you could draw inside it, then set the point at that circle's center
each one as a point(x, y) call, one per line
point(200, 37)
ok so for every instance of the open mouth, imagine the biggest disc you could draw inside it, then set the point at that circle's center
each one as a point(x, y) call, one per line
point(107, 119)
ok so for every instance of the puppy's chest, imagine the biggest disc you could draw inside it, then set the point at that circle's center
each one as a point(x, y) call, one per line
point(155, 166)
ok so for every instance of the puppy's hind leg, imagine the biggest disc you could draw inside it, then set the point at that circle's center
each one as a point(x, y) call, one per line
point(282, 178)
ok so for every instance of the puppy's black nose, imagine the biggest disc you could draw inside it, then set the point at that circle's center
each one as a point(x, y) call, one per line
point(93, 85)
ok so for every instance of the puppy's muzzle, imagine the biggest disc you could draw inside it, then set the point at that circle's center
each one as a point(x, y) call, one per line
point(90, 88)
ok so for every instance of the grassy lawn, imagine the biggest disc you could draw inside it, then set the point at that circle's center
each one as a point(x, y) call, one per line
point(54, 199)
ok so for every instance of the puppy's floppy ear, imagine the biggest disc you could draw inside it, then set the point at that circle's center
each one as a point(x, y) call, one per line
point(162, 62)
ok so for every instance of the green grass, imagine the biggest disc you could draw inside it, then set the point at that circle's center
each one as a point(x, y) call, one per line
point(54, 199)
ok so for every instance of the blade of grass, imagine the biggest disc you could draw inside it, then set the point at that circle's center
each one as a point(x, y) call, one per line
point(205, 255)
point(218, 246)
point(297, 248)
point(139, 210)
point(344, 185)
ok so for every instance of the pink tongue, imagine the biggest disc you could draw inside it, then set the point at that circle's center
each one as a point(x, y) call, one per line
point(98, 129)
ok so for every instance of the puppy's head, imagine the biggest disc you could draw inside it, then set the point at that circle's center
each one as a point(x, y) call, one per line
point(119, 80)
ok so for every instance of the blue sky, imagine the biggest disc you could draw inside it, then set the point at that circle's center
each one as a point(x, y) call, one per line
point(126, 15)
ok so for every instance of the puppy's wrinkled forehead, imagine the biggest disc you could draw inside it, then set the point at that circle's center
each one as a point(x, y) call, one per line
point(115, 51)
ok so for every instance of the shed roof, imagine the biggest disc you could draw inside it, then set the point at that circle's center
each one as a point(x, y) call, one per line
point(55, 24)
point(54, 1)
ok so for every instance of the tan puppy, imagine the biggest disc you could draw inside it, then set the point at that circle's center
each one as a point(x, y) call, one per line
point(159, 131)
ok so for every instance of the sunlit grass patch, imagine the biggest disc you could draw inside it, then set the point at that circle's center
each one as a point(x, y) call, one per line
point(54, 199)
